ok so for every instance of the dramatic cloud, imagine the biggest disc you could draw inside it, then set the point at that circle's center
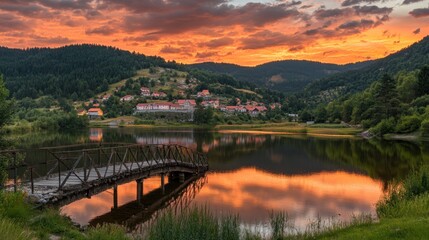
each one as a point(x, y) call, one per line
point(9, 23)
point(347, 3)
point(357, 25)
point(321, 14)
point(239, 31)
point(417, 31)
point(266, 38)
point(176, 18)
point(103, 30)
point(410, 1)
point(219, 42)
point(420, 12)
point(365, 10)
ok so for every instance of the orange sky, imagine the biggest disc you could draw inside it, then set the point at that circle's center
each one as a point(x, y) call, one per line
point(235, 31)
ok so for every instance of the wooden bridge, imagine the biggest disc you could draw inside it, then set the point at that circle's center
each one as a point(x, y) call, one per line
point(67, 173)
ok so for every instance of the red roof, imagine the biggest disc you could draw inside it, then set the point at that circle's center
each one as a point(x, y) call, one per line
point(94, 110)
point(183, 101)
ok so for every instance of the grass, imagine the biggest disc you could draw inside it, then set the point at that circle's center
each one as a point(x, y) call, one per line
point(320, 130)
point(19, 220)
point(195, 223)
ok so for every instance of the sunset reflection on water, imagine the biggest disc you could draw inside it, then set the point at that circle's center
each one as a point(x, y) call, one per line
point(254, 174)
point(253, 194)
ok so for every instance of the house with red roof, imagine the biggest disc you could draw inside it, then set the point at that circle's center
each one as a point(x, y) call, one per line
point(127, 98)
point(95, 113)
point(204, 94)
point(187, 103)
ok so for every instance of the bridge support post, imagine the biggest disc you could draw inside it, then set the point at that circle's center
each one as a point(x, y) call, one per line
point(181, 177)
point(162, 183)
point(139, 190)
point(115, 196)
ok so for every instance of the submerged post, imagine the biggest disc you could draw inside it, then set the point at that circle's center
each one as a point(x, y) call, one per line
point(162, 183)
point(32, 180)
point(139, 190)
point(115, 196)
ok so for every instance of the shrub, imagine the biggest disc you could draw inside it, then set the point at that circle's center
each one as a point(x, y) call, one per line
point(411, 198)
point(425, 128)
point(13, 206)
point(383, 127)
point(408, 124)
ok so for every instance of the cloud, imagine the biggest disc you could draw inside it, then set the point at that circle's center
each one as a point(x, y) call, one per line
point(103, 30)
point(417, 31)
point(267, 38)
point(58, 40)
point(366, 10)
point(9, 22)
point(172, 17)
point(142, 38)
point(204, 55)
point(357, 26)
point(420, 12)
point(321, 14)
point(347, 3)
point(218, 42)
point(410, 1)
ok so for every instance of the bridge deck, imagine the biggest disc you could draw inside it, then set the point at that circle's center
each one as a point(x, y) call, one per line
point(74, 172)
point(105, 172)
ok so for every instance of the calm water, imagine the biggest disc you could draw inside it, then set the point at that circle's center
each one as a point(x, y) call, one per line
point(252, 175)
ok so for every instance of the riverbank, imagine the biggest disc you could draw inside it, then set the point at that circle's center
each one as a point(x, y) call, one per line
point(285, 128)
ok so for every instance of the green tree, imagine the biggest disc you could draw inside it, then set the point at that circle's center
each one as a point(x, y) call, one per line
point(203, 116)
point(423, 81)
point(386, 96)
point(5, 105)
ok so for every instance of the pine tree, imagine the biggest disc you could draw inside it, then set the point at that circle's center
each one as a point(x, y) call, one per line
point(423, 81)
point(387, 98)
point(5, 105)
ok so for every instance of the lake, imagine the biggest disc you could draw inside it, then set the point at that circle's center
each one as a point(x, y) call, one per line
point(253, 175)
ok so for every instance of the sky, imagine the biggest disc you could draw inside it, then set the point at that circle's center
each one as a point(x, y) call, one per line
point(233, 31)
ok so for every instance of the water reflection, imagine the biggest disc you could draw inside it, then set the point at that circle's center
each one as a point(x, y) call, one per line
point(252, 174)
point(253, 194)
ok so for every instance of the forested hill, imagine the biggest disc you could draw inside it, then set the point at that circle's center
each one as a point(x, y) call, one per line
point(288, 76)
point(413, 57)
point(77, 70)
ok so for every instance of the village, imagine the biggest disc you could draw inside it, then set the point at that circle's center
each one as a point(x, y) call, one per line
point(157, 102)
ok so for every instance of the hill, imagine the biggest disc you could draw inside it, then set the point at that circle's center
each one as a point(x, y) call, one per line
point(76, 71)
point(411, 58)
point(288, 76)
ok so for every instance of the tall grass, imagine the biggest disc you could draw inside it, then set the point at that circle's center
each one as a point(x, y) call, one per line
point(107, 232)
point(11, 230)
point(195, 223)
point(409, 199)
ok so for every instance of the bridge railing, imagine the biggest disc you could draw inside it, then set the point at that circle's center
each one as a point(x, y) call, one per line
point(83, 164)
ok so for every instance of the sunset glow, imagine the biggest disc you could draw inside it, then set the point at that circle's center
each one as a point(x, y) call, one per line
point(238, 31)
point(303, 197)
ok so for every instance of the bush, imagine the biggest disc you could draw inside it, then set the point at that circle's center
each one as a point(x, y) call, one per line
point(13, 206)
point(408, 124)
point(425, 128)
point(411, 197)
point(383, 127)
